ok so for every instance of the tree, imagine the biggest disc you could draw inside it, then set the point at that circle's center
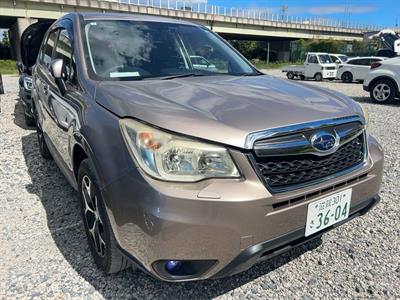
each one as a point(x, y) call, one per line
point(5, 41)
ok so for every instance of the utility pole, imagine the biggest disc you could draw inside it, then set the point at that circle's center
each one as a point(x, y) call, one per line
point(284, 9)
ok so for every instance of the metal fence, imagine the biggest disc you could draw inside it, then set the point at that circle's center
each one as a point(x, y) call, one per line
point(258, 14)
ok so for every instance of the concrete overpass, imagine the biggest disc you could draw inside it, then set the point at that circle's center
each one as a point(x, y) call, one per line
point(228, 22)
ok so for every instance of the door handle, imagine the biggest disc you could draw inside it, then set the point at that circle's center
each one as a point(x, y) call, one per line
point(45, 89)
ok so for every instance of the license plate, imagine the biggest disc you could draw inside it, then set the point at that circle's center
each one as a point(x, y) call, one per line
point(328, 211)
point(330, 74)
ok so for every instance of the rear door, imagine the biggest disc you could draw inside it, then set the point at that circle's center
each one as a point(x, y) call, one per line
point(356, 67)
point(363, 68)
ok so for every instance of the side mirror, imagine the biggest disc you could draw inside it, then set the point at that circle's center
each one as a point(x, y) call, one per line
point(337, 61)
point(59, 72)
point(57, 68)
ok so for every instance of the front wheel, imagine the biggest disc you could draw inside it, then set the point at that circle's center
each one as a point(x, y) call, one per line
point(290, 75)
point(102, 243)
point(318, 77)
point(347, 77)
point(383, 91)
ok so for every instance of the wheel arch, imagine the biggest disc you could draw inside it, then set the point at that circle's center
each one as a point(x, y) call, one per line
point(78, 155)
point(375, 80)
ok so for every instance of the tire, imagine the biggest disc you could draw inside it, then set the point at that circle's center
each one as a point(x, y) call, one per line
point(101, 240)
point(290, 75)
point(347, 77)
point(383, 91)
point(318, 77)
point(29, 121)
point(43, 149)
point(302, 77)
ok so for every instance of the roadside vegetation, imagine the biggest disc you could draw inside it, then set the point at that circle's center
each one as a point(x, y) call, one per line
point(8, 66)
point(260, 64)
point(257, 51)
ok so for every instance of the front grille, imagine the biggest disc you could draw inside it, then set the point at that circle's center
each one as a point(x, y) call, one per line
point(330, 68)
point(288, 172)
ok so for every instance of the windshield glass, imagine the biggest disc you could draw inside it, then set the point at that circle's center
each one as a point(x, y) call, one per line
point(132, 50)
point(324, 59)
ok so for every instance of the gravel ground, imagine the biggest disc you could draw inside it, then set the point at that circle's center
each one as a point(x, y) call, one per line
point(44, 253)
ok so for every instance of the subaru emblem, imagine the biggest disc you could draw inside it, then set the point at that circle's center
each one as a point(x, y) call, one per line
point(324, 141)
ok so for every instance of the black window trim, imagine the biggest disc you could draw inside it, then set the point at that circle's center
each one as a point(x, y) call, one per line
point(51, 31)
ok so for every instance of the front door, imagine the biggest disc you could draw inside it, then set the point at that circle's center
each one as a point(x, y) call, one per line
point(60, 117)
point(311, 66)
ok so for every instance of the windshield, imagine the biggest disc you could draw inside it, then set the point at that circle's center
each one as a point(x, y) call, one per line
point(132, 50)
point(324, 59)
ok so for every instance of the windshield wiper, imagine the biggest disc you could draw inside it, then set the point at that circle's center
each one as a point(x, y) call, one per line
point(182, 76)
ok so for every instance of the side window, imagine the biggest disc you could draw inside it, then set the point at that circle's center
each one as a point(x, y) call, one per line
point(48, 47)
point(355, 62)
point(64, 51)
point(365, 62)
point(375, 60)
point(334, 58)
point(312, 59)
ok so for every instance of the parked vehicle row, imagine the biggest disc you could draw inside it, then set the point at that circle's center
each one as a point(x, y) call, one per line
point(192, 169)
point(380, 75)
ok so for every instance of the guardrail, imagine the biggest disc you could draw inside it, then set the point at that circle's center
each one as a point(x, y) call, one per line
point(259, 14)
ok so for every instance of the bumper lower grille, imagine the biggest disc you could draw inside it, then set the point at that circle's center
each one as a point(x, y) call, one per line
point(288, 172)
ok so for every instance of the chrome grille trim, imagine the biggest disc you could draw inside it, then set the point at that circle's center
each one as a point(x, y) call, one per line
point(266, 152)
point(292, 129)
point(300, 143)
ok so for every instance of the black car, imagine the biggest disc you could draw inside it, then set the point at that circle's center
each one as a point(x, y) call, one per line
point(30, 40)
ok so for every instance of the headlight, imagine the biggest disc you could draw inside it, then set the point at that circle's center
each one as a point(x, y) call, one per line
point(174, 158)
point(28, 83)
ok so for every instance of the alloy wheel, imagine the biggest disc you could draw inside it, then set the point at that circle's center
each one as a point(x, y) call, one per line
point(381, 92)
point(92, 216)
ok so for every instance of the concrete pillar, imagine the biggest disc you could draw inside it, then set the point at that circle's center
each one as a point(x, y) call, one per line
point(282, 48)
point(16, 31)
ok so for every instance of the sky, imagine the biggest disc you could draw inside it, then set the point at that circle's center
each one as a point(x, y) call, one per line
point(374, 12)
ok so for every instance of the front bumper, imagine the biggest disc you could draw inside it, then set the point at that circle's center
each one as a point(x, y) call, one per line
point(329, 73)
point(232, 221)
point(269, 249)
point(26, 97)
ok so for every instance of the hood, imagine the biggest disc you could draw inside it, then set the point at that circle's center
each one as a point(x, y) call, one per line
point(224, 109)
point(31, 40)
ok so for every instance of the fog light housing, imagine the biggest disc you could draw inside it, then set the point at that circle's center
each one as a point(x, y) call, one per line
point(173, 266)
point(182, 269)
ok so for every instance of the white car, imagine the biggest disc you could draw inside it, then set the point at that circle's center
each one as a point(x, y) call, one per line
point(338, 58)
point(200, 63)
point(356, 68)
point(383, 80)
point(317, 65)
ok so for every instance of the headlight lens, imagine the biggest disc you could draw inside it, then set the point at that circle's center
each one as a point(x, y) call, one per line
point(28, 83)
point(174, 158)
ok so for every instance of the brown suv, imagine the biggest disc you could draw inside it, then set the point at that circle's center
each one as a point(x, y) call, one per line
point(190, 163)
